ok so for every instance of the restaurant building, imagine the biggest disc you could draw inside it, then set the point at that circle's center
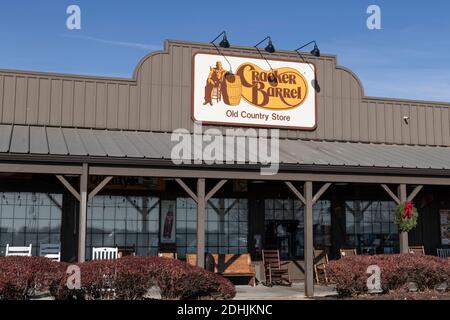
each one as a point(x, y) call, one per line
point(89, 161)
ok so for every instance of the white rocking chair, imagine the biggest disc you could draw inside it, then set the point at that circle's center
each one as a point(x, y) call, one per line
point(51, 251)
point(18, 251)
point(443, 253)
point(104, 253)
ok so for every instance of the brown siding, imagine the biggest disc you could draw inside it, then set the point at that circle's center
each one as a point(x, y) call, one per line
point(445, 127)
point(133, 115)
point(9, 94)
point(2, 90)
point(158, 98)
point(32, 101)
point(44, 102)
point(79, 100)
point(123, 106)
point(67, 106)
point(20, 100)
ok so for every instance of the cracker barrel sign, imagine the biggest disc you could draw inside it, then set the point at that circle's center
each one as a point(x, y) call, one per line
point(254, 94)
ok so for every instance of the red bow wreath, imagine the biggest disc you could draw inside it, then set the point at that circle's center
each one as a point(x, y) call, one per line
point(408, 213)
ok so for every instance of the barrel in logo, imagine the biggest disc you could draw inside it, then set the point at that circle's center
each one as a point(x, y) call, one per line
point(231, 89)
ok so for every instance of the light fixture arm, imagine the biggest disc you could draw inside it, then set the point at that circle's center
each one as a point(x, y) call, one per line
point(314, 41)
point(304, 60)
point(256, 45)
point(260, 53)
point(301, 56)
point(217, 48)
point(223, 33)
point(314, 71)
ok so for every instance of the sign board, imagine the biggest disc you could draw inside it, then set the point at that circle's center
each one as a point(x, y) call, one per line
point(259, 93)
point(129, 183)
point(167, 223)
point(445, 227)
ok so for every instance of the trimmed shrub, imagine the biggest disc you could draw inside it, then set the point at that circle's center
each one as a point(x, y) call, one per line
point(349, 274)
point(130, 278)
point(115, 279)
point(23, 277)
point(178, 280)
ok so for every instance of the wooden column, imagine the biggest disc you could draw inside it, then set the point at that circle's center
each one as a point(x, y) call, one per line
point(404, 246)
point(201, 223)
point(200, 198)
point(308, 200)
point(402, 197)
point(308, 234)
point(83, 197)
point(83, 214)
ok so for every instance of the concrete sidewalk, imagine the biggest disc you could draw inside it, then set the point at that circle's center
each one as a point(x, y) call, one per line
point(260, 292)
point(296, 292)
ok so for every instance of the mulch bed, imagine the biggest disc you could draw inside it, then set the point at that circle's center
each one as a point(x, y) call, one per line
point(402, 295)
point(395, 295)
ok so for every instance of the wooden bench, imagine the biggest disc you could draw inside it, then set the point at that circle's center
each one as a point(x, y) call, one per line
point(230, 265)
point(169, 255)
point(348, 252)
point(417, 250)
point(191, 259)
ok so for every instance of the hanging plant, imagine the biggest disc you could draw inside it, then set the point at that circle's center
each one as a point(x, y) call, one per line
point(406, 216)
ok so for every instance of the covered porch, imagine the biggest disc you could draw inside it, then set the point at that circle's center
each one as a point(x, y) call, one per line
point(308, 192)
point(307, 172)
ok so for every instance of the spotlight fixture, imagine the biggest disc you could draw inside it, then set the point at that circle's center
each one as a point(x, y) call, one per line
point(315, 51)
point(270, 49)
point(224, 43)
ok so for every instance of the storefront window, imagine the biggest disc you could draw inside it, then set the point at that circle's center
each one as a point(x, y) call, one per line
point(284, 220)
point(125, 222)
point(226, 226)
point(186, 226)
point(29, 218)
point(370, 226)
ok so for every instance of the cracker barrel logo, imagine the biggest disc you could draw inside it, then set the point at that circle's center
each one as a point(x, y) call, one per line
point(278, 89)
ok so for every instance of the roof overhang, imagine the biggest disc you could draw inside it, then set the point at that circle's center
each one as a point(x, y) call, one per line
point(133, 153)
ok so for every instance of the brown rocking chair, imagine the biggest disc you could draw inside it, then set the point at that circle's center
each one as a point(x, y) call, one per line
point(320, 264)
point(274, 274)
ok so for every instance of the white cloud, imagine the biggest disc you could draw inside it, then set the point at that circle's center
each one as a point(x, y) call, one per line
point(143, 46)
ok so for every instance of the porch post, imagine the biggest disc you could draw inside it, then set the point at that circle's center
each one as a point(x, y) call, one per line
point(308, 246)
point(201, 223)
point(404, 246)
point(83, 214)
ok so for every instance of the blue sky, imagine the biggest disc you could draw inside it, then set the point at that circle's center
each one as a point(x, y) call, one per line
point(407, 58)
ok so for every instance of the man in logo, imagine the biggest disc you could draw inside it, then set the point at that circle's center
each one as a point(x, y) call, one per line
point(213, 83)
